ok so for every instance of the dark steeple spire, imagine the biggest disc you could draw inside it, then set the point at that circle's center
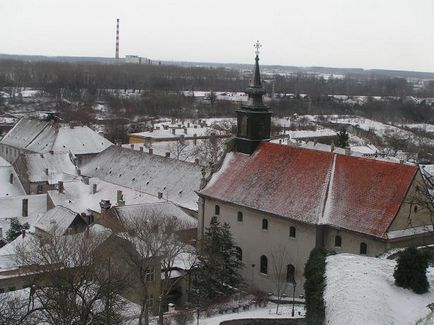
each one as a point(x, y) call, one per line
point(254, 119)
point(255, 89)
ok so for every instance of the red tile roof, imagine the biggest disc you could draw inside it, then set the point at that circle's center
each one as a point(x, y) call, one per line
point(315, 187)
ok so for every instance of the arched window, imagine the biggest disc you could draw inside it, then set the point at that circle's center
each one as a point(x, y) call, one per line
point(338, 241)
point(363, 248)
point(264, 264)
point(264, 224)
point(290, 273)
point(240, 216)
point(239, 253)
point(415, 209)
point(292, 232)
point(217, 210)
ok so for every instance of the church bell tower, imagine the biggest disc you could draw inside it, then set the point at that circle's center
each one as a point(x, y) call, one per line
point(253, 117)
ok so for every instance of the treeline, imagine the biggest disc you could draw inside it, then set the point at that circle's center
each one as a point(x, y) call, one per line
point(352, 85)
point(396, 111)
point(54, 77)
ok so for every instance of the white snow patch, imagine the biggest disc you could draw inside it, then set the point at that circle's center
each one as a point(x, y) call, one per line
point(361, 290)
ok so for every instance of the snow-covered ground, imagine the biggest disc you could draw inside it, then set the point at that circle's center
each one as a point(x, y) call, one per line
point(266, 312)
point(361, 290)
point(423, 126)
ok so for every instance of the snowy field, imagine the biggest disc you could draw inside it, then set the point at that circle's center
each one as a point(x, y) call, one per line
point(361, 290)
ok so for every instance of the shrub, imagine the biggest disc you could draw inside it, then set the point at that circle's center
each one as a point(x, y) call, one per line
point(410, 270)
point(314, 272)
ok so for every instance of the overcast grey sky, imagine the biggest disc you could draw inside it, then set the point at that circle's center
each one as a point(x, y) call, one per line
point(390, 34)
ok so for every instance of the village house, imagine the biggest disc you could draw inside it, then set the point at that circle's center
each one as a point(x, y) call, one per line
point(286, 198)
point(40, 172)
point(160, 177)
point(10, 183)
point(43, 136)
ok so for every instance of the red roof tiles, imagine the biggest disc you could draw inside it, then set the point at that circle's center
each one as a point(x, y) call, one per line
point(357, 194)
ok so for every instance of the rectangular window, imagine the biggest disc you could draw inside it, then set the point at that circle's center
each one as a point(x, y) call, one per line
point(150, 301)
point(149, 275)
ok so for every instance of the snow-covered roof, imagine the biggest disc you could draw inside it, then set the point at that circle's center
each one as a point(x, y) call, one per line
point(24, 132)
point(57, 219)
point(58, 164)
point(43, 136)
point(186, 151)
point(12, 207)
point(168, 134)
point(314, 187)
point(159, 210)
point(147, 173)
point(78, 196)
point(7, 189)
point(361, 290)
point(306, 134)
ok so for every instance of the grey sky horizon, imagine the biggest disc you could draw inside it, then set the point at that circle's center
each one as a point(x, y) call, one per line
point(370, 34)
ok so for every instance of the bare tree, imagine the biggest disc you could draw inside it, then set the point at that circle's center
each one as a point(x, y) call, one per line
point(279, 264)
point(157, 240)
point(75, 281)
point(180, 149)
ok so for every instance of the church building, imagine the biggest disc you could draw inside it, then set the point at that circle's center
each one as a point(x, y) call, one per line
point(282, 201)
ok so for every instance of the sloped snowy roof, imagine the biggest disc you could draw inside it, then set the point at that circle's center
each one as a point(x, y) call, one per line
point(59, 165)
point(7, 189)
point(24, 132)
point(160, 210)
point(147, 173)
point(78, 196)
point(315, 187)
point(57, 219)
point(80, 140)
point(42, 136)
point(11, 207)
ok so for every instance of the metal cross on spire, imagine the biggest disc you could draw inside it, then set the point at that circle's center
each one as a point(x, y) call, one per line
point(257, 46)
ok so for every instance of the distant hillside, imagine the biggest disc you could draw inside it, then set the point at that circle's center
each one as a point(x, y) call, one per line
point(236, 66)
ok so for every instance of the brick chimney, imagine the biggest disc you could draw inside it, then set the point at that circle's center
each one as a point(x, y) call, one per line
point(120, 198)
point(60, 187)
point(25, 209)
point(104, 205)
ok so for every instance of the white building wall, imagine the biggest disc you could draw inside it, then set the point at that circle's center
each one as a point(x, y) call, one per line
point(254, 242)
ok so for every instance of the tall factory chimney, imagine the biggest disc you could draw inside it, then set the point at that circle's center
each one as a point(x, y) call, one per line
point(117, 40)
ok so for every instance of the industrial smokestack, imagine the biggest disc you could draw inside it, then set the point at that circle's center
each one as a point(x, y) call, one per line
point(117, 40)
